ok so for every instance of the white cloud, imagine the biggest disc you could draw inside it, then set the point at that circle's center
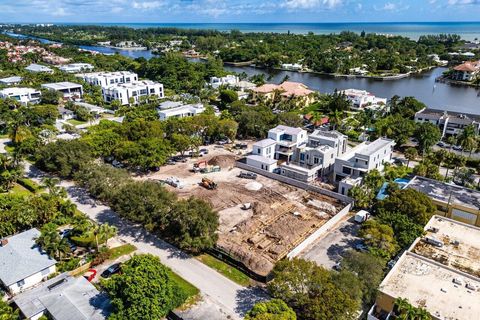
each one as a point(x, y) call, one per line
point(392, 7)
point(309, 4)
point(148, 5)
point(60, 12)
point(463, 2)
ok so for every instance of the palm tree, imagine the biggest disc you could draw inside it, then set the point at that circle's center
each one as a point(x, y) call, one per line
point(411, 154)
point(467, 139)
point(104, 232)
point(51, 185)
point(335, 118)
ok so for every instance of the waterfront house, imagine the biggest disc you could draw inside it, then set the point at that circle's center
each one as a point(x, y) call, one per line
point(467, 71)
point(286, 91)
point(36, 68)
point(69, 90)
point(22, 95)
point(362, 99)
point(64, 298)
point(22, 262)
point(450, 123)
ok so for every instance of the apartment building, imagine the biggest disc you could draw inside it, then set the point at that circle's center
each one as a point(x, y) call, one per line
point(9, 81)
point(450, 123)
point(69, 90)
point(360, 160)
point(362, 99)
point(22, 95)
point(38, 68)
point(123, 92)
point(173, 109)
point(107, 79)
point(438, 273)
point(22, 263)
point(452, 201)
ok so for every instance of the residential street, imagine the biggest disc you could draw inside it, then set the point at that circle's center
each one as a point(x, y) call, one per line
point(230, 298)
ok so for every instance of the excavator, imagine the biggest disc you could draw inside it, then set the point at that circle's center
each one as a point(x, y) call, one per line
point(197, 166)
point(208, 184)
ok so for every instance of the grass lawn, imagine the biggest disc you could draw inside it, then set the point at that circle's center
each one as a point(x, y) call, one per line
point(192, 292)
point(121, 250)
point(225, 269)
point(76, 122)
point(19, 190)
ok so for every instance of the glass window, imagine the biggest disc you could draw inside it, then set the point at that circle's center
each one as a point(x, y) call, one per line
point(347, 170)
point(21, 283)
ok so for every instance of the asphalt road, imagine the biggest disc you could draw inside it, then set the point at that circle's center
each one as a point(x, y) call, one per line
point(230, 298)
point(328, 250)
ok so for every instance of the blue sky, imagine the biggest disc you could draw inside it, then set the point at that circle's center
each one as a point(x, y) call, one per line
point(238, 10)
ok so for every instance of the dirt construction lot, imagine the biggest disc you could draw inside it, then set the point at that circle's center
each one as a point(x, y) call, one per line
point(280, 216)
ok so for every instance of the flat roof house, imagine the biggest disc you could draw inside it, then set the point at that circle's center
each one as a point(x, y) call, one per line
point(439, 273)
point(69, 90)
point(38, 68)
point(172, 109)
point(362, 99)
point(123, 92)
point(107, 79)
point(76, 67)
point(22, 95)
point(22, 262)
point(365, 157)
point(228, 80)
point(452, 201)
point(64, 298)
point(450, 123)
point(9, 81)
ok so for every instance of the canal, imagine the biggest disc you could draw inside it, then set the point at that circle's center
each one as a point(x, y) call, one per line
point(422, 86)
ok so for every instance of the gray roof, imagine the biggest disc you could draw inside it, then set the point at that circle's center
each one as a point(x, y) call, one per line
point(61, 85)
point(264, 143)
point(65, 298)
point(444, 192)
point(169, 104)
point(454, 116)
point(21, 258)
point(261, 159)
point(372, 147)
point(14, 79)
point(287, 129)
point(38, 68)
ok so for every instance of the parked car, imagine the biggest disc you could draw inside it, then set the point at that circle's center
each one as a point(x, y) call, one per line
point(204, 151)
point(114, 268)
point(457, 148)
point(248, 175)
point(171, 162)
point(337, 266)
point(117, 164)
point(73, 246)
point(442, 144)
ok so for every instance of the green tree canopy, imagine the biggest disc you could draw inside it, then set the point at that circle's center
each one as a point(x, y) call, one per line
point(274, 309)
point(143, 290)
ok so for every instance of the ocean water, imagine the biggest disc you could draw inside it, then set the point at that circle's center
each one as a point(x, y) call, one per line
point(468, 30)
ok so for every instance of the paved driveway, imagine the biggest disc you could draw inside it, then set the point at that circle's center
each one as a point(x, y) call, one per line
point(230, 298)
point(328, 250)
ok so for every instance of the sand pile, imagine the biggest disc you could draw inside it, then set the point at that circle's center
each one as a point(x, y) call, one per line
point(254, 186)
point(224, 161)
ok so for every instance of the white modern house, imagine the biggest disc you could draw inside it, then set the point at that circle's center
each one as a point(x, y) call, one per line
point(23, 95)
point(317, 157)
point(450, 123)
point(10, 81)
point(123, 92)
point(174, 109)
point(76, 67)
point(22, 263)
point(358, 161)
point(36, 68)
point(69, 90)
point(107, 79)
point(362, 99)
point(229, 80)
point(63, 298)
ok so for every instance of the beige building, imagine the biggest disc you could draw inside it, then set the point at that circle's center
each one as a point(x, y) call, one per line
point(455, 202)
point(439, 273)
point(283, 92)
